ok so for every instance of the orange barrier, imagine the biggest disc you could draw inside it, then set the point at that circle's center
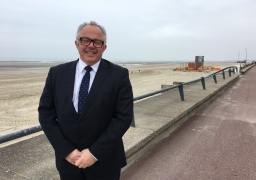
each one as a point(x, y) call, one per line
point(200, 68)
point(192, 65)
point(180, 68)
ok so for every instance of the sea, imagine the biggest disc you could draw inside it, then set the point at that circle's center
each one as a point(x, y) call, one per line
point(42, 63)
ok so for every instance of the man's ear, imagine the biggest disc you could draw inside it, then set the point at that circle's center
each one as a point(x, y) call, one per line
point(76, 43)
point(105, 47)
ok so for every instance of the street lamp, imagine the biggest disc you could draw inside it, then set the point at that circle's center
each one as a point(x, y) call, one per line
point(246, 54)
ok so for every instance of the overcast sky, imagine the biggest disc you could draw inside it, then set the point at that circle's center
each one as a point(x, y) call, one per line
point(137, 30)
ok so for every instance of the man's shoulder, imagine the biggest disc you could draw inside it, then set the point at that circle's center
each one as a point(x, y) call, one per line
point(64, 65)
point(113, 65)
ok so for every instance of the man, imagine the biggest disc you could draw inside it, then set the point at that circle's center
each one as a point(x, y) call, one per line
point(85, 127)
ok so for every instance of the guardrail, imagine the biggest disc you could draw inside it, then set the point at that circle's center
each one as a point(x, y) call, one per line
point(229, 69)
point(34, 129)
point(247, 65)
point(21, 133)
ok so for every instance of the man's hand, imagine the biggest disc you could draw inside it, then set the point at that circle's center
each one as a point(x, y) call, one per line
point(73, 156)
point(86, 159)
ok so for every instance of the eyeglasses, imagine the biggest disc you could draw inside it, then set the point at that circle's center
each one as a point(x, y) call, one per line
point(86, 41)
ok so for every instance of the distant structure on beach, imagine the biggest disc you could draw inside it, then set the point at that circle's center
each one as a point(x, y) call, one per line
point(198, 65)
point(244, 61)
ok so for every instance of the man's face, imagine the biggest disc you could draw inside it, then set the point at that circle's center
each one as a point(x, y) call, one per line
point(89, 53)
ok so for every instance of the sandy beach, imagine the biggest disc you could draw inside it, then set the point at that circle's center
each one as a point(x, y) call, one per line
point(21, 84)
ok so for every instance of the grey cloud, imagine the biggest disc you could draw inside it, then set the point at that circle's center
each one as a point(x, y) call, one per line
point(137, 30)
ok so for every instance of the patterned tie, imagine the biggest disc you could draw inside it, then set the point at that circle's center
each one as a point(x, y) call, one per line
point(83, 92)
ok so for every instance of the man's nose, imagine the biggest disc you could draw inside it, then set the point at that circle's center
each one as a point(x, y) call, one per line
point(91, 44)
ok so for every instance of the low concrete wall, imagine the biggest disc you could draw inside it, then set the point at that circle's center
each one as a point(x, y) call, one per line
point(149, 137)
point(246, 69)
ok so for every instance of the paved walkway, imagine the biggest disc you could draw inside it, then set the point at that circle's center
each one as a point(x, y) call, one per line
point(218, 142)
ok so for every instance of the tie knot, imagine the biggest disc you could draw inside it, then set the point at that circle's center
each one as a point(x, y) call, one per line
point(88, 68)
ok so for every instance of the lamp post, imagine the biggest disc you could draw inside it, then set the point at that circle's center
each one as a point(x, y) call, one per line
point(246, 54)
point(239, 61)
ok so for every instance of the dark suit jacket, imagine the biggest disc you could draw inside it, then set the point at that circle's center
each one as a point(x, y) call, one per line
point(106, 116)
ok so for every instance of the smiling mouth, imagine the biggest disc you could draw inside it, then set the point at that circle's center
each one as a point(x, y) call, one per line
point(90, 52)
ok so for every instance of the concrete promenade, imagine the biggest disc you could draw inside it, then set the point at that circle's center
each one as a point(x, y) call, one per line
point(155, 119)
point(217, 142)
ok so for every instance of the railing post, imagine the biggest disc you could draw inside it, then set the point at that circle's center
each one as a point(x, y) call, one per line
point(203, 82)
point(223, 74)
point(181, 91)
point(215, 79)
point(133, 121)
point(229, 72)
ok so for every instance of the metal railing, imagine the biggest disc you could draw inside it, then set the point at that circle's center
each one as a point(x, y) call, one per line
point(34, 129)
point(247, 65)
point(21, 133)
point(229, 69)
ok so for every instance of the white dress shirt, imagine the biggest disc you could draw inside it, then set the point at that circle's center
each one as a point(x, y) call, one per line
point(80, 72)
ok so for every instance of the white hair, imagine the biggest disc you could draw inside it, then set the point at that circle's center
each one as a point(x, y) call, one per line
point(92, 23)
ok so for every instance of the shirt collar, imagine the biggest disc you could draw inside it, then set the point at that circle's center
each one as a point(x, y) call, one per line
point(81, 65)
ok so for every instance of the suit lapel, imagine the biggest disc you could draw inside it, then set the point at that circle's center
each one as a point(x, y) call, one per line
point(70, 80)
point(99, 78)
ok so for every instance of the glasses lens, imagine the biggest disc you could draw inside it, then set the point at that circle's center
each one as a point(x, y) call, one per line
point(97, 43)
point(85, 41)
